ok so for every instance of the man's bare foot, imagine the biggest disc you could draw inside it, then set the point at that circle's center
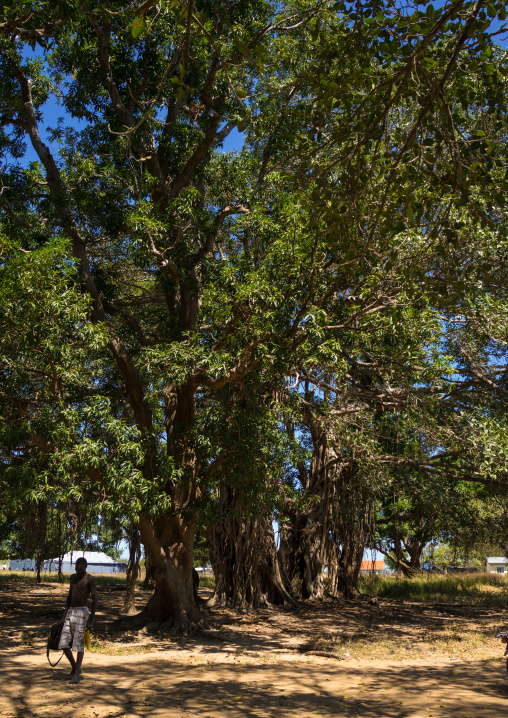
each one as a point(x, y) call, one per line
point(75, 679)
point(69, 676)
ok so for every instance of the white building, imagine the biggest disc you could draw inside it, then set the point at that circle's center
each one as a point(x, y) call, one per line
point(496, 564)
point(97, 562)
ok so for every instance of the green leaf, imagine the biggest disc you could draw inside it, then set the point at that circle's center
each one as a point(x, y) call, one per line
point(138, 27)
point(242, 47)
point(260, 51)
point(243, 123)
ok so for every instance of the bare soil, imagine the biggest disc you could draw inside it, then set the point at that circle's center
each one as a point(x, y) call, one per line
point(389, 660)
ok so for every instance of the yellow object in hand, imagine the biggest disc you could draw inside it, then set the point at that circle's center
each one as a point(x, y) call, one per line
point(87, 641)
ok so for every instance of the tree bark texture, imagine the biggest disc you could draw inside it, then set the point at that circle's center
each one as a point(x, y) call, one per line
point(331, 530)
point(169, 539)
point(303, 543)
point(129, 605)
point(244, 558)
point(169, 543)
point(351, 523)
point(149, 580)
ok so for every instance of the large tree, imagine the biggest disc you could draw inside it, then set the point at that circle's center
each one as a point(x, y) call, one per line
point(148, 202)
point(202, 268)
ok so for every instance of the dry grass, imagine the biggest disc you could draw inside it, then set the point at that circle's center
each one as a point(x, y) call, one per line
point(103, 579)
point(458, 640)
point(206, 581)
point(488, 589)
point(113, 649)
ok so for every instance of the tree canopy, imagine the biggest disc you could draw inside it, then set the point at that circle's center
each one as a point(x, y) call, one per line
point(310, 328)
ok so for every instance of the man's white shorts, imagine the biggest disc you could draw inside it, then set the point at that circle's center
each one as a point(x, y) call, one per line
point(74, 626)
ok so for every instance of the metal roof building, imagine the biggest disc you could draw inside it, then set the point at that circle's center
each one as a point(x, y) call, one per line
point(97, 562)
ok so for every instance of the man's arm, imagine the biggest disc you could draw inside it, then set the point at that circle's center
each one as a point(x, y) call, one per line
point(95, 600)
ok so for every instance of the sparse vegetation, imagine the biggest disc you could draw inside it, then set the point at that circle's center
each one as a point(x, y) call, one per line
point(106, 579)
point(475, 588)
point(207, 581)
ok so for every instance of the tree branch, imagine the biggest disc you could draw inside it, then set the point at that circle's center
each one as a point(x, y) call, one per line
point(58, 191)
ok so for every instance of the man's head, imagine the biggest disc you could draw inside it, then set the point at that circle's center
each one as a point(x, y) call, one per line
point(81, 565)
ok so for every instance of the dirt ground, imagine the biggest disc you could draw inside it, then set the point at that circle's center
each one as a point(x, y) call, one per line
point(392, 659)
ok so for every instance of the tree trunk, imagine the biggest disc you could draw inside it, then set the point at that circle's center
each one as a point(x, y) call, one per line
point(304, 539)
point(400, 563)
point(168, 542)
point(149, 580)
point(61, 551)
point(353, 515)
point(244, 558)
point(407, 548)
point(129, 605)
point(169, 539)
point(331, 530)
point(302, 556)
point(414, 547)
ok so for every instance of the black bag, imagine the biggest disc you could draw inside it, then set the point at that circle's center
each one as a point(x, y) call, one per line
point(54, 642)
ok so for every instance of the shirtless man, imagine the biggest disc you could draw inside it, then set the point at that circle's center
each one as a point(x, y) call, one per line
point(76, 617)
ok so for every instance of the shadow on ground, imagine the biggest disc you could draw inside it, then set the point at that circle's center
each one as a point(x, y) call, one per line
point(252, 664)
point(161, 685)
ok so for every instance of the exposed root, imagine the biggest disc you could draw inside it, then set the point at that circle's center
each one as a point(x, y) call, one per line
point(214, 635)
point(176, 625)
point(216, 600)
point(324, 654)
point(128, 611)
point(180, 626)
point(132, 623)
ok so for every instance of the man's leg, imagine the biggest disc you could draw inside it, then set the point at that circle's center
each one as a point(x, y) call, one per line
point(65, 642)
point(76, 671)
point(70, 658)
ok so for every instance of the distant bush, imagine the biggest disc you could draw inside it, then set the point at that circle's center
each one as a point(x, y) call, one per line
point(475, 588)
